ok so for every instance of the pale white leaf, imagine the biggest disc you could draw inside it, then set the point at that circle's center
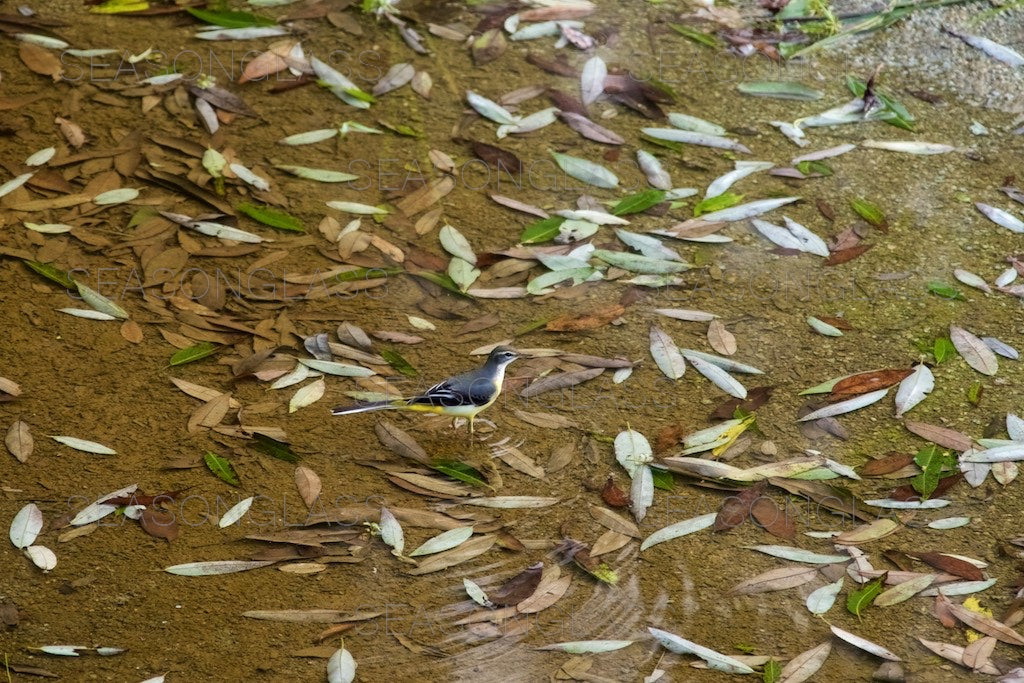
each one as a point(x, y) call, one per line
point(236, 512)
point(341, 667)
point(719, 377)
point(683, 528)
point(846, 406)
point(307, 395)
point(586, 171)
point(216, 567)
point(391, 531)
point(476, 593)
point(914, 388)
point(84, 445)
point(26, 526)
point(803, 667)
point(641, 492)
point(455, 243)
point(588, 647)
point(798, 554)
point(592, 79)
point(974, 351)
point(666, 354)
point(715, 660)
point(118, 196)
point(42, 557)
point(444, 541)
point(321, 175)
point(822, 599)
point(865, 644)
point(86, 313)
point(100, 302)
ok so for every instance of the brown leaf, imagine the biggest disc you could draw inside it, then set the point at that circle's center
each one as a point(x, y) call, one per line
point(71, 131)
point(41, 61)
point(736, 509)
point(886, 465)
point(422, 198)
point(826, 210)
point(613, 521)
point(479, 324)
point(950, 565)
point(587, 321)
point(478, 545)
point(8, 614)
point(400, 443)
point(907, 492)
point(497, 159)
point(560, 381)
point(9, 387)
point(488, 46)
point(308, 483)
point(836, 321)
point(775, 519)
point(864, 382)
point(131, 331)
point(159, 523)
point(668, 436)
point(844, 255)
point(559, 66)
point(519, 587)
point(776, 580)
point(19, 441)
point(942, 436)
point(210, 413)
point(613, 496)
point(722, 340)
point(756, 398)
point(986, 625)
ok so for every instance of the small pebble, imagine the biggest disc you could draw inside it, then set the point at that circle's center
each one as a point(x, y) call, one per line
point(769, 448)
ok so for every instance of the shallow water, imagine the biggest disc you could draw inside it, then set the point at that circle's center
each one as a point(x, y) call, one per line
point(82, 378)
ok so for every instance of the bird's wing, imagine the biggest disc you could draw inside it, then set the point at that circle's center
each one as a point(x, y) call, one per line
point(468, 389)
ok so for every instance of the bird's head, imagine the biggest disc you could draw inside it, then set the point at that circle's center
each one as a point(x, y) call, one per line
point(502, 356)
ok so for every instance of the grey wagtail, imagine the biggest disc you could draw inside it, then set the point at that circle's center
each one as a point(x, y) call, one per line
point(464, 395)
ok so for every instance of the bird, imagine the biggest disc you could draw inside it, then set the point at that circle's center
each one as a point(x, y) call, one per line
point(464, 395)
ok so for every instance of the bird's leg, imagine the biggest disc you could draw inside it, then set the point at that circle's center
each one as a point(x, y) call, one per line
point(471, 428)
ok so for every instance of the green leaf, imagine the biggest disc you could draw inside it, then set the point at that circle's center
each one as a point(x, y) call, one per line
point(932, 462)
point(722, 201)
point(401, 129)
point(944, 290)
point(51, 273)
point(366, 274)
point(893, 112)
point(460, 471)
point(942, 349)
point(229, 19)
point(530, 327)
point(869, 212)
point(974, 393)
point(399, 363)
point(441, 280)
point(663, 479)
point(812, 167)
point(273, 448)
point(772, 671)
point(194, 353)
point(668, 144)
point(783, 90)
point(699, 37)
point(641, 201)
point(857, 601)
point(275, 218)
point(542, 230)
point(220, 466)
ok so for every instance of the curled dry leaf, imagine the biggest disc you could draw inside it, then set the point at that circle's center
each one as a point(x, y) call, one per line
point(309, 485)
point(19, 441)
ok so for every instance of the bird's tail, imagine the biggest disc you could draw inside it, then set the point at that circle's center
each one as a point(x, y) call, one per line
point(365, 407)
